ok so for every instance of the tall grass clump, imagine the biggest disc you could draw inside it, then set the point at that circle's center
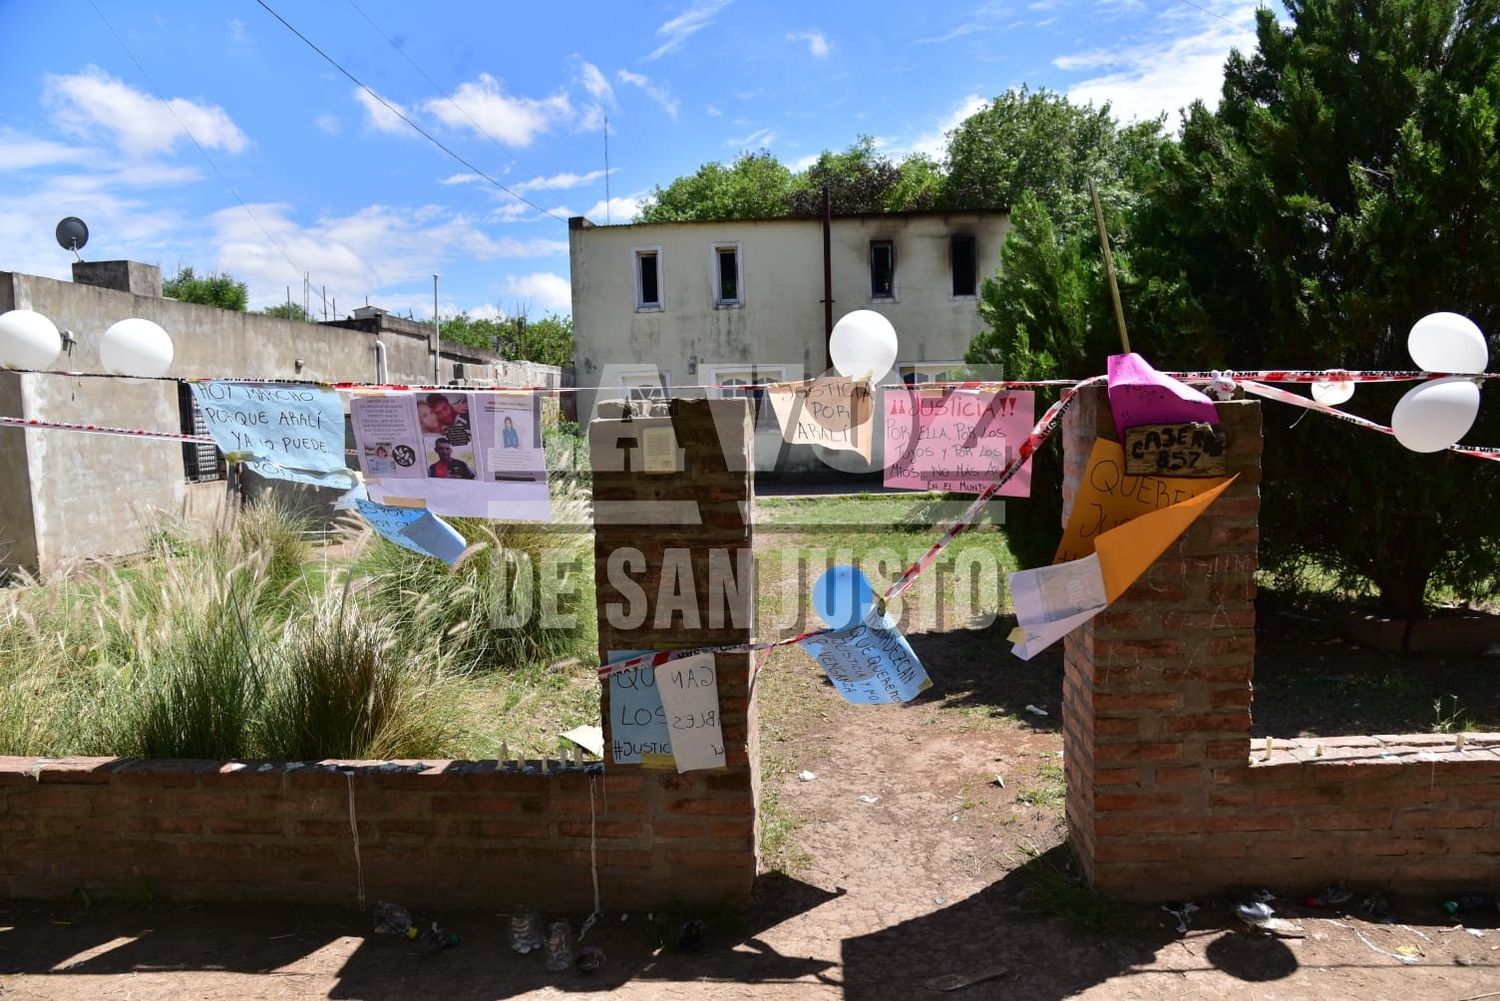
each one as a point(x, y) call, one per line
point(344, 688)
point(522, 597)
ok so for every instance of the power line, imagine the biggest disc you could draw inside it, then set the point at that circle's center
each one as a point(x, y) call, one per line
point(1210, 13)
point(189, 133)
point(402, 115)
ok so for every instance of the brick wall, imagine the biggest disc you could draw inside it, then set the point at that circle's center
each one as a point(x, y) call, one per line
point(696, 517)
point(1167, 798)
point(441, 833)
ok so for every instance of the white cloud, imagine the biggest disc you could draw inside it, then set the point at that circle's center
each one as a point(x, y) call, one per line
point(679, 29)
point(482, 107)
point(19, 151)
point(619, 209)
point(377, 247)
point(544, 288)
point(758, 139)
point(817, 42)
point(935, 142)
point(236, 29)
point(596, 83)
point(1182, 61)
point(381, 118)
point(803, 162)
point(713, 112)
point(658, 93)
point(329, 123)
point(958, 31)
point(461, 178)
point(93, 102)
point(123, 223)
point(559, 182)
point(512, 211)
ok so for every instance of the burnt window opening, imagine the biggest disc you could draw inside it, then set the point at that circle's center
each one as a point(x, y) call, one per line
point(882, 269)
point(965, 260)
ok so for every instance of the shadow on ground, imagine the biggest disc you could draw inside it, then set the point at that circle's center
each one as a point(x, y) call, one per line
point(326, 945)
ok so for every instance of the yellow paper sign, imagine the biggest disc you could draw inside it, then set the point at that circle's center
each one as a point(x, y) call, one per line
point(1128, 551)
point(833, 411)
point(1108, 498)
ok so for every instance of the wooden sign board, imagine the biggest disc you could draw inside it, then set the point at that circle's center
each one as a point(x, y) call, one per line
point(1194, 449)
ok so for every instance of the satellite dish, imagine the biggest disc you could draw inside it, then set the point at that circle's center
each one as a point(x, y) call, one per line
point(72, 234)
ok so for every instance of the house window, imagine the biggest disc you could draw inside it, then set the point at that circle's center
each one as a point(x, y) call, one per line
point(882, 269)
point(727, 289)
point(648, 278)
point(641, 385)
point(728, 379)
point(965, 260)
point(201, 461)
point(922, 373)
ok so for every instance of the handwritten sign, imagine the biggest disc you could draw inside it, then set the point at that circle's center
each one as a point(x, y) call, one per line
point(956, 441)
point(689, 691)
point(416, 529)
point(639, 734)
point(1109, 497)
point(1139, 394)
point(871, 663)
point(833, 411)
point(1051, 602)
point(1194, 449)
point(288, 427)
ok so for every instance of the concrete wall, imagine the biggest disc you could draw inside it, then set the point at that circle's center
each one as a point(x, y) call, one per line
point(67, 496)
point(781, 275)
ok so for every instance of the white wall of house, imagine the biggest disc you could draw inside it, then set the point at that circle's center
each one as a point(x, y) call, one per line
point(775, 329)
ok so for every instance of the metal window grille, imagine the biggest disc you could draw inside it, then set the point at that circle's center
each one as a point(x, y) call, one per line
point(201, 462)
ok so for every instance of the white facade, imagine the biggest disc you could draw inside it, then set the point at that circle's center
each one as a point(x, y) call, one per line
point(659, 307)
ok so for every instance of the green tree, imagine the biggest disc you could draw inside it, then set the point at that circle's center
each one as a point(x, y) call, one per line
point(1344, 188)
point(548, 341)
point(754, 186)
point(1049, 316)
point(213, 290)
point(288, 311)
point(862, 180)
point(1041, 143)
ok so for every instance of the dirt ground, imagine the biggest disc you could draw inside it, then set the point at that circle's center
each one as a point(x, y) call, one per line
point(929, 842)
point(944, 872)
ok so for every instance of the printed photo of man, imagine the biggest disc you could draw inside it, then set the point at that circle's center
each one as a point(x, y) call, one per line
point(452, 422)
point(447, 467)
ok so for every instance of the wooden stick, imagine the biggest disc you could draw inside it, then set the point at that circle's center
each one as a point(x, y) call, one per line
point(1109, 268)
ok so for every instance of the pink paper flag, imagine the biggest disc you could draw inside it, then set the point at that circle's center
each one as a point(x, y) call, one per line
point(1139, 394)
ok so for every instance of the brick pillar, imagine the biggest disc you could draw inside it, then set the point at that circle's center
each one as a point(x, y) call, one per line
point(673, 495)
point(1156, 690)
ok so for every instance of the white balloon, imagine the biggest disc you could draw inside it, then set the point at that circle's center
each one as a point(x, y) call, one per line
point(1447, 342)
point(863, 343)
point(1332, 392)
point(1436, 414)
point(136, 347)
point(28, 340)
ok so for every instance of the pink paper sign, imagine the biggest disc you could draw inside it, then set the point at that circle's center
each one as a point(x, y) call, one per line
point(1139, 394)
point(956, 440)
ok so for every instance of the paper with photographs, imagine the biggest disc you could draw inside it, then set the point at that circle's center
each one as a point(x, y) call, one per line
point(476, 455)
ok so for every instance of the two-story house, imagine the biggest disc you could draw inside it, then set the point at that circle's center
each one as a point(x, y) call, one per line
point(662, 306)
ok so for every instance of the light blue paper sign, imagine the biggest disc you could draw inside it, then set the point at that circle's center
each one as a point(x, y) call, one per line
point(416, 529)
point(293, 427)
point(343, 480)
point(871, 663)
point(638, 720)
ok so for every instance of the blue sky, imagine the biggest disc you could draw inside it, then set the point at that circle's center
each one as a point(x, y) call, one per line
point(338, 186)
